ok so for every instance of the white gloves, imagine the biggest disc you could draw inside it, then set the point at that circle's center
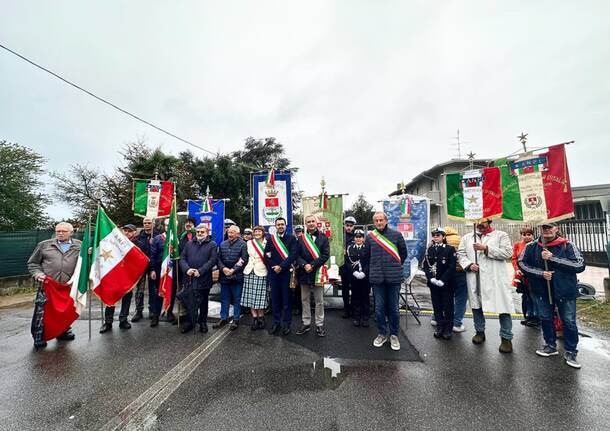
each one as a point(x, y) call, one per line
point(436, 282)
point(359, 275)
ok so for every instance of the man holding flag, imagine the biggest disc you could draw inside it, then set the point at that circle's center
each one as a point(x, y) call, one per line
point(387, 252)
point(313, 252)
point(53, 263)
point(170, 254)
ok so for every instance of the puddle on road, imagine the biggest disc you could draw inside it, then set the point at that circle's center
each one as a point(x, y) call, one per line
point(596, 345)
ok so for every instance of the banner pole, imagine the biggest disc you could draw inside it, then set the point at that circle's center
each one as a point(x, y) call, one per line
point(88, 280)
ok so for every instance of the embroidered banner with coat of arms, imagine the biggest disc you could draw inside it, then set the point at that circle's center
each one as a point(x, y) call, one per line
point(536, 188)
point(329, 221)
point(272, 199)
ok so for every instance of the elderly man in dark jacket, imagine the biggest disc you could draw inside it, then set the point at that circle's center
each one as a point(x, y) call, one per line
point(197, 259)
point(232, 258)
point(563, 262)
point(387, 252)
point(313, 252)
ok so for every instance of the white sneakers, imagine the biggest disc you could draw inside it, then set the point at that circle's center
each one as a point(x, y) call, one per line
point(433, 322)
point(459, 328)
point(394, 343)
point(380, 340)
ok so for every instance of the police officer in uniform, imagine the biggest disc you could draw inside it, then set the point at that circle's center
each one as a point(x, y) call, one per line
point(358, 262)
point(345, 269)
point(439, 266)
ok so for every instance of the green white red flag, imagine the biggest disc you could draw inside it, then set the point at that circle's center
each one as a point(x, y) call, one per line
point(117, 264)
point(474, 194)
point(321, 276)
point(79, 283)
point(152, 198)
point(270, 180)
point(536, 188)
point(170, 254)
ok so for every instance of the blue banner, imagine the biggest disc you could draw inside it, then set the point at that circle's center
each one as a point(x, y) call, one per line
point(271, 202)
point(215, 220)
point(412, 224)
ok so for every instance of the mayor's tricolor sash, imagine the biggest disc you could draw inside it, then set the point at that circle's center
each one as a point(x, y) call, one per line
point(259, 247)
point(312, 248)
point(386, 244)
point(279, 246)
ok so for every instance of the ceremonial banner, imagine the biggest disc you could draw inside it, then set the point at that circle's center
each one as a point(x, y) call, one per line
point(152, 198)
point(80, 279)
point(329, 221)
point(272, 198)
point(536, 188)
point(474, 194)
point(214, 220)
point(170, 254)
point(117, 264)
point(410, 215)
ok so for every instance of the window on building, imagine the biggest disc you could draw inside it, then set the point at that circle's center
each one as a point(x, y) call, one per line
point(588, 211)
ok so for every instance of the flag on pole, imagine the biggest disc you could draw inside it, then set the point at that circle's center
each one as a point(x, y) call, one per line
point(213, 219)
point(474, 194)
point(79, 282)
point(323, 203)
point(207, 205)
point(152, 198)
point(536, 188)
point(170, 253)
point(270, 180)
point(117, 264)
point(59, 311)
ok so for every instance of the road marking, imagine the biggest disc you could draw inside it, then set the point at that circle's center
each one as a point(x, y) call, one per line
point(139, 414)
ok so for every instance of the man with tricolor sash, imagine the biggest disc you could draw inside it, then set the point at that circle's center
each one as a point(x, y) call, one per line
point(387, 252)
point(313, 252)
point(280, 253)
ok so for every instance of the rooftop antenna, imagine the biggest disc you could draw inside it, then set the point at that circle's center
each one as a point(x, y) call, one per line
point(523, 139)
point(458, 144)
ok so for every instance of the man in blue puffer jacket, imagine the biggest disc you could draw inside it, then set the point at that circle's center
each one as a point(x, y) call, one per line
point(387, 252)
point(563, 262)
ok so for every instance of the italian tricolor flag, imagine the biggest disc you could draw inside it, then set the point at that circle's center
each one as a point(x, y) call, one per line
point(270, 180)
point(152, 198)
point(321, 276)
point(536, 188)
point(170, 254)
point(79, 283)
point(474, 194)
point(117, 264)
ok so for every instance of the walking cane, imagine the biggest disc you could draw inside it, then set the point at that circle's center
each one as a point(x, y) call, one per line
point(546, 268)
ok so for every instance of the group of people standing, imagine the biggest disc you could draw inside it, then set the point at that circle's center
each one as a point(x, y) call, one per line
point(475, 269)
point(260, 269)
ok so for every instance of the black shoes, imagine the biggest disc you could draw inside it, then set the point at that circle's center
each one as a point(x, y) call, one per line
point(124, 324)
point(154, 321)
point(303, 329)
point(320, 331)
point(203, 328)
point(364, 323)
point(447, 334)
point(66, 336)
point(187, 327)
point(254, 325)
point(356, 322)
point(261, 323)
point(286, 330)
point(105, 328)
point(40, 344)
point(220, 324)
point(438, 332)
point(275, 329)
point(234, 325)
point(137, 316)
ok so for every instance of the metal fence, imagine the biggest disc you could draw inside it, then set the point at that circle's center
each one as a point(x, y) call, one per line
point(590, 236)
point(17, 247)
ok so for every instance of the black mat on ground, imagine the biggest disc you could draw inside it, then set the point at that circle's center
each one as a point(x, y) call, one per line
point(346, 341)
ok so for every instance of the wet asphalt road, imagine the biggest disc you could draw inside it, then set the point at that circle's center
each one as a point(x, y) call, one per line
point(245, 380)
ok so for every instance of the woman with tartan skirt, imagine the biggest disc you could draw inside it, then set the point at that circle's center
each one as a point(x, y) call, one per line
point(439, 266)
point(254, 293)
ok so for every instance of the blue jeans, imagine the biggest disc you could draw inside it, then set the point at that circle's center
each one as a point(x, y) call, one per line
point(281, 298)
point(566, 309)
point(460, 297)
point(230, 294)
point(386, 304)
point(531, 306)
point(506, 323)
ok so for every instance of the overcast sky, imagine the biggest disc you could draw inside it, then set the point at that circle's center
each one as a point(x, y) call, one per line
point(364, 93)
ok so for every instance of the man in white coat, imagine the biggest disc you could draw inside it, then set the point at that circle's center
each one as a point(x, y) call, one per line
point(483, 256)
